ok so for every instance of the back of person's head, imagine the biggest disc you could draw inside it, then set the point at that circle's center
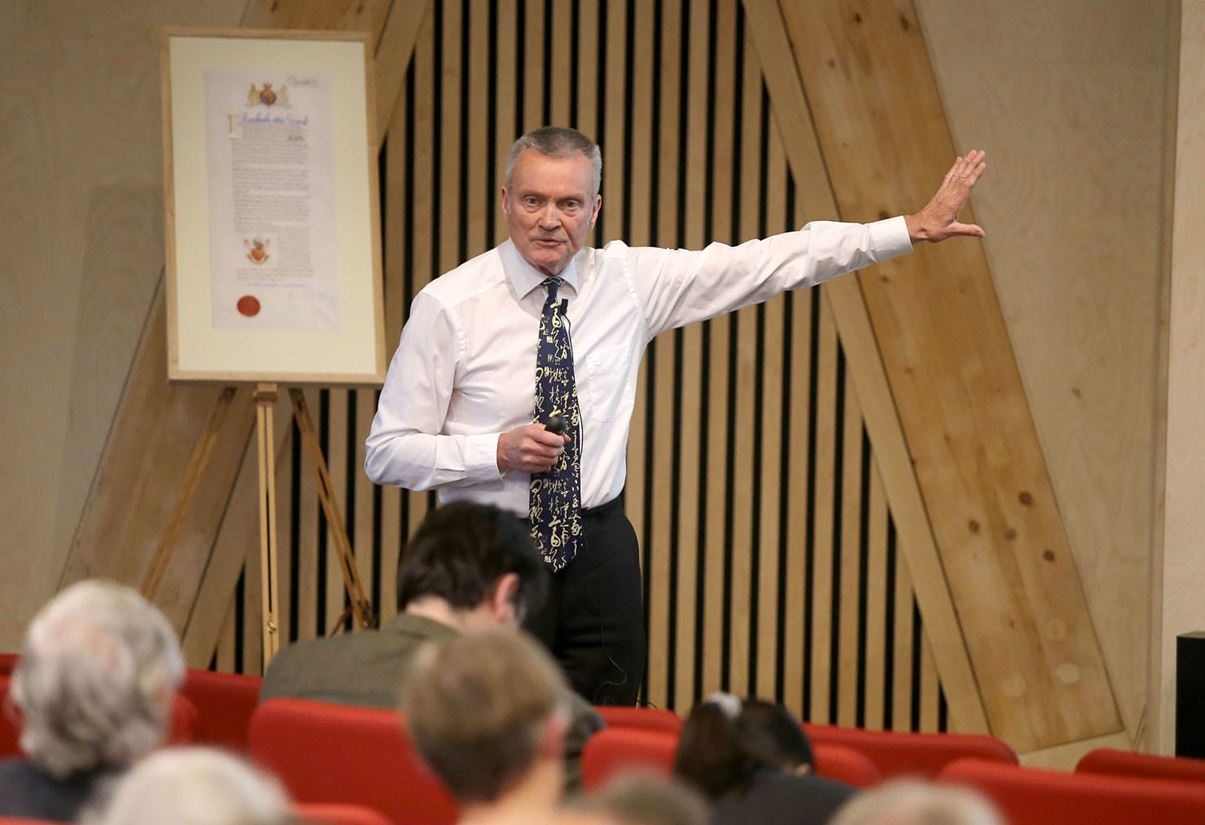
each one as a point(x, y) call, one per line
point(483, 708)
point(461, 550)
point(726, 741)
point(642, 798)
point(195, 786)
point(95, 681)
point(912, 802)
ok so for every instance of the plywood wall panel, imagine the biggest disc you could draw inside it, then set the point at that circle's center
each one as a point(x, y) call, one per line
point(946, 351)
point(81, 229)
point(1072, 89)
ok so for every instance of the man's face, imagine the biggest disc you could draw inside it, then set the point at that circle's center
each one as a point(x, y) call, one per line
point(550, 208)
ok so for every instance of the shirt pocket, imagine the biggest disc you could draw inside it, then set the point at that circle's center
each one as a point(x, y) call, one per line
point(607, 373)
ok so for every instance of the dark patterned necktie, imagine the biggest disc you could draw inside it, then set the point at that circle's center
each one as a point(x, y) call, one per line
point(555, 499)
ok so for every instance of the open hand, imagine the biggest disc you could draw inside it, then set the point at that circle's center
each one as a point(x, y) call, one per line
point(939, 219)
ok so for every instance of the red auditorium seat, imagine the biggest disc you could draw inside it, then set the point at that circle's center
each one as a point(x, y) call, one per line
point(183, 722)
point(1029, 796)
point(642, 718)
point(224, 703)
point(326, 753)
point(845, 765)
point(340, 815)
point(8, 661)
point(614, 750)
point(912, 754)
point(1141, 765)
point(10, 729)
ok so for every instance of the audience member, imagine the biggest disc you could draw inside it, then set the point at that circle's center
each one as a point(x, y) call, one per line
point(93, 687)
point(753, 761)
point(469, 566)
point(195, 786)
point(643, 799)
point(912, 802)
point(487, 712)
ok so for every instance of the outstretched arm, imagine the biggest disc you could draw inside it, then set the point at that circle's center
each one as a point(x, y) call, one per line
point(939, 219)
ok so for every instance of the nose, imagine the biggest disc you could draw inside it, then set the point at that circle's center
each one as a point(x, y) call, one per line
point(550, 217)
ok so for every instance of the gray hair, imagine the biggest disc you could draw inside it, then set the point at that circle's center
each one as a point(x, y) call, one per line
point(557, 142)
point(95, 680)
point(642, 798)
point(912, 802)
point(194, 786)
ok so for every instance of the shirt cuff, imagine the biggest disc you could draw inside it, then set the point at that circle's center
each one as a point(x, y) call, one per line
point(481, 457)
point(889, 238)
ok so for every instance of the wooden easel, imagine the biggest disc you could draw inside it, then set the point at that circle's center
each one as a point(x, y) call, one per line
point(265, 395)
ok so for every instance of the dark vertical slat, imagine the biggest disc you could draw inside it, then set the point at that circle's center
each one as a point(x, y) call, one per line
point(739, 464)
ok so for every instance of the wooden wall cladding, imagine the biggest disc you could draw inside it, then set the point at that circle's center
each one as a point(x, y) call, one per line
point(955, 383)
point(771, 558)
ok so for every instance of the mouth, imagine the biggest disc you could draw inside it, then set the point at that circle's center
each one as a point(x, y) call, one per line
point(548, 242)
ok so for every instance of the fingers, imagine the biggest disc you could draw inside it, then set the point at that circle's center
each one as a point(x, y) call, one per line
point(972, 230)
point(539, 434)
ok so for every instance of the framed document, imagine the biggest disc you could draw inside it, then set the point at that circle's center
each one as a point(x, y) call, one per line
point(271, 201)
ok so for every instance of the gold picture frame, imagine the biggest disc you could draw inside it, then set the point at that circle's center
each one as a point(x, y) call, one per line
point(272, 215)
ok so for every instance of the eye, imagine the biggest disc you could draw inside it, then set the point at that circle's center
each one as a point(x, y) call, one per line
point(571, 205)
point(531, 201)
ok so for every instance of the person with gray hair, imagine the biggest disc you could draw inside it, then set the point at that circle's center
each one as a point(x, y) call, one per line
point(913, 802)
point(514, 382)
point(194, 786)
point(641, 798)
point(94, 685)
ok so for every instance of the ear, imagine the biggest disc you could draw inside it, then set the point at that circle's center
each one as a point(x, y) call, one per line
point(502, 599)
point(597, 209)
point(552, 740)
point(505, 201)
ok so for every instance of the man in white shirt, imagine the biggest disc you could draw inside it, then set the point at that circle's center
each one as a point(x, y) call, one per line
point(515, 378)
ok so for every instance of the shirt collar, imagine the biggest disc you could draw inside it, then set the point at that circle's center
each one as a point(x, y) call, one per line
point(525, 278)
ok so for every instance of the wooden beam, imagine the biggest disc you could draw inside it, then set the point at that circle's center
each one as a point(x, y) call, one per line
point(394, 50)
point(954, 382)
point(844, 298)
point(149, 450)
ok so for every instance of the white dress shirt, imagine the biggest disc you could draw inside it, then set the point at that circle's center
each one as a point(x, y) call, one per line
point(464, 371)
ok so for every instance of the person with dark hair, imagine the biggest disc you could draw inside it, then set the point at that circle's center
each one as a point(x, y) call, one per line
point(514, 380)
point(469, 566)
point(753, 761)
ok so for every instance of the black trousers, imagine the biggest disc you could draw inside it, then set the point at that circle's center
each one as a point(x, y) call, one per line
point(593, 619)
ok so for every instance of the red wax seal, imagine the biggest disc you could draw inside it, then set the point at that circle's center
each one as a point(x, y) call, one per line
point(248, 305)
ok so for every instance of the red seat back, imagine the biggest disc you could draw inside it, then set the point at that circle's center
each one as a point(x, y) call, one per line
point(614, 750)
point(642, 718)
point(339, 815)
point(1029, 796)
point(846, 765)
point(224, 703)
point(1123, 763)
point(10, 726)
point(327, 753)
point(8, 661)
point(912, 754)
point(183, 730)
